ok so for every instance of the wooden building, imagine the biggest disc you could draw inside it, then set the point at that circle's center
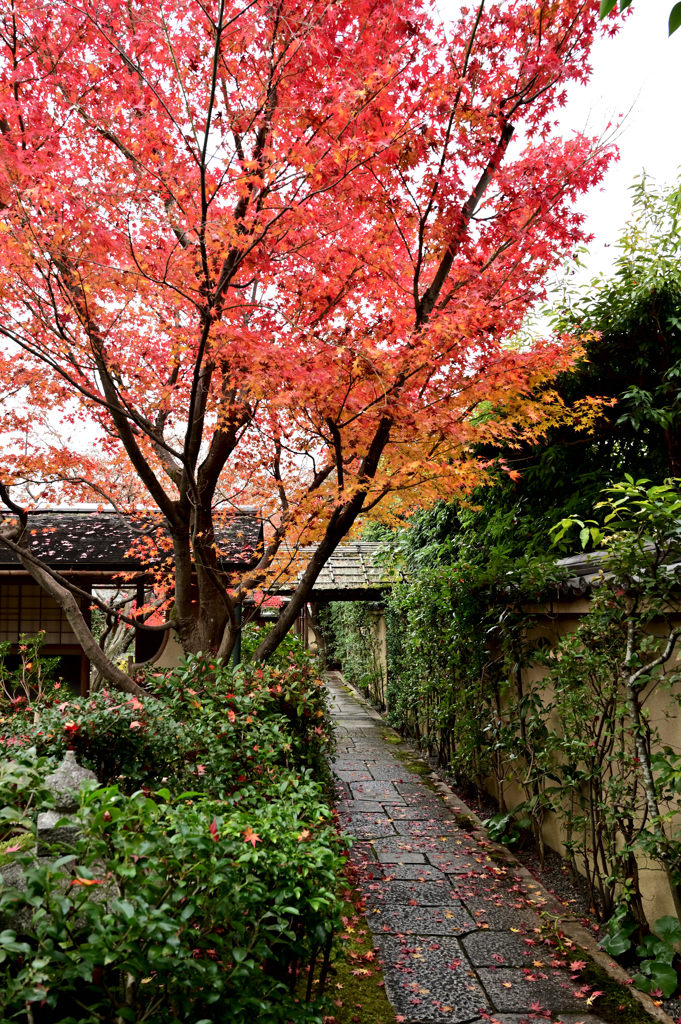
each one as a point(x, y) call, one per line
point(94, 549)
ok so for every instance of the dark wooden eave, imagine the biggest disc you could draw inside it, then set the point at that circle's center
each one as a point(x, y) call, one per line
point(99, 543)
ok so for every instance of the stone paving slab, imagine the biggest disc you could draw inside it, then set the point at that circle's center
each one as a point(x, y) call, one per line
point(422, 812)
point(452, 919)
point(388, 773)
point(510, 991)
point(492, 949)
point(350, 776)
point(501, 918)
point(361, 853)
point(449, 922)
point(359, 807)
point(408, 788)
point(430, 828)
point(395, 857)
point(421, 984)
point(453, 861)
point(434, 847)
point(367, 826)
point(382, 791)
point(425, 894)
point(412, 872)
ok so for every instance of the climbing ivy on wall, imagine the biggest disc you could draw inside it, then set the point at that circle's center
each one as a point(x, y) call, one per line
point(351, 638)
point(551, 724)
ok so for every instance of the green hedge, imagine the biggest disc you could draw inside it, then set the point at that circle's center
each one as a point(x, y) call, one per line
point(205, 876)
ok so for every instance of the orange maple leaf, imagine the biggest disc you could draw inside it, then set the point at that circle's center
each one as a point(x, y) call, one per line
point(251, 837)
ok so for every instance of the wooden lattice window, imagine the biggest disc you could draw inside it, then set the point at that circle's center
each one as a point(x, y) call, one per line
point(26, 608)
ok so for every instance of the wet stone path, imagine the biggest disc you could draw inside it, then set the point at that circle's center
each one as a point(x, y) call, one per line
point(458, 934)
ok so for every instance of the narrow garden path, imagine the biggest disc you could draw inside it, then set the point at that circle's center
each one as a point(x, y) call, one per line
point(459, 934)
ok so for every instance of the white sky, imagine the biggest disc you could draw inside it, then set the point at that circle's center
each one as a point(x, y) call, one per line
point(638, 74)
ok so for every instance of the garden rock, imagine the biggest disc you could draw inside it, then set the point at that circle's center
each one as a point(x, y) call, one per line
point(65, 783)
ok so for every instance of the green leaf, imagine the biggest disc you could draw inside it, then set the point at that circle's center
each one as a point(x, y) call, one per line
point(665, 977)
point(616, 944)
point(606, 7)
point(642, 983)
point(127, 1013)
point(674, 18)
point(126, 909)
point(668, 929)
point(127, 870)
point(239, 954)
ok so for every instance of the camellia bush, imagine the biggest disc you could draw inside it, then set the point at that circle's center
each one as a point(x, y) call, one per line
point(202, 885)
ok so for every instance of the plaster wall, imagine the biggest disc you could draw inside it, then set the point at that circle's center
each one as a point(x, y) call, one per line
point(558, 619)
point(172, 653)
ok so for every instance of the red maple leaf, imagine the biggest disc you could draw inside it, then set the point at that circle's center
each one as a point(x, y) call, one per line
point(390, 222)
point(251, 837)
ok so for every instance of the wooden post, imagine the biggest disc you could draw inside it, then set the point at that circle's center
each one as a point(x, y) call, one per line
point(84, 660)
point(139, 598)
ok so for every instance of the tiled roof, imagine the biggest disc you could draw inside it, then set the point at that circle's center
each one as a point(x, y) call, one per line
point(583, 570)
point(107, 540)
point(354, 571)
point(586, 572)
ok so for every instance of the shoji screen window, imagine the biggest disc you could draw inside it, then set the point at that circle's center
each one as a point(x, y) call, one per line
point(25, 608)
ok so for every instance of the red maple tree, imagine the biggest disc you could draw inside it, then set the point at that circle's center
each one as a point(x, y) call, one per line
point(279, 249)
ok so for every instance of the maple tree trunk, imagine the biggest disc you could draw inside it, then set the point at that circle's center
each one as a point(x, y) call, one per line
point(340, 523)
point(202, 608)
point(335, 532)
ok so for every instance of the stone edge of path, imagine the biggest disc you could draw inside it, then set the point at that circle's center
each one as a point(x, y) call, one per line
point(572, 929)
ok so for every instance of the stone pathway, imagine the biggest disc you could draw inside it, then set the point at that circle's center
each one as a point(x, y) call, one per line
point(458, 934)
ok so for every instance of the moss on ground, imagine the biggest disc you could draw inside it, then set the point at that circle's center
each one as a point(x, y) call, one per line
point(391, 737)
point(617, 1005)
point(418, 767)
point(502, 858)
point(466, 822)
point(356, 983)
point(24, 841)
